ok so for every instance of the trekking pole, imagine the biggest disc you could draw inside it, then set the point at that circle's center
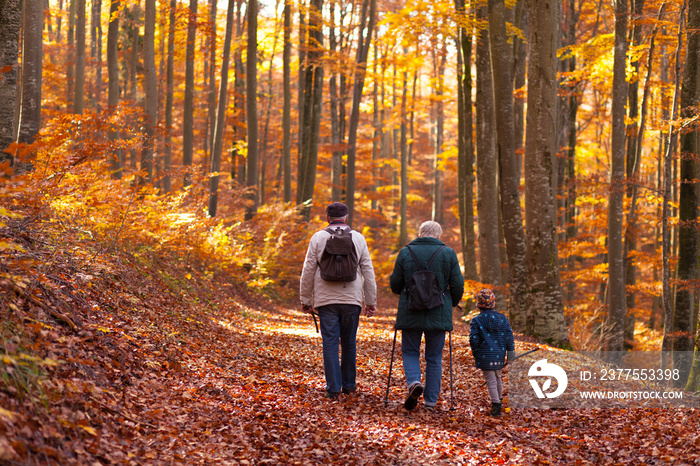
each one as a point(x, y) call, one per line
point(520, 356)
point(391, 364)
point(315, 322)
point(452, 397)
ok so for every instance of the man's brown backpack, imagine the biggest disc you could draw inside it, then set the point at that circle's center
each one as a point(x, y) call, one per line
point(339, 259)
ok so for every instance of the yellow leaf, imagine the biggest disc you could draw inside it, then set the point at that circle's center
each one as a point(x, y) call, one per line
point(188, 276)
point(8, 414)
point(89, 429)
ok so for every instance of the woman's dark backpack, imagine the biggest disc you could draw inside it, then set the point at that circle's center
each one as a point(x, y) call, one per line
point(423, 289)
point(339, 259)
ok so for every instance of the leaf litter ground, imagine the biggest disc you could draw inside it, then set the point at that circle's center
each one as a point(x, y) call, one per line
point(204, 373)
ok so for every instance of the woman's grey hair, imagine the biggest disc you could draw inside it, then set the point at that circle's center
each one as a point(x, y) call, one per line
point(430, 228)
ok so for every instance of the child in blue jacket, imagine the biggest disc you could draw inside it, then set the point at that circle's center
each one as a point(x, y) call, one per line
point(491, 340)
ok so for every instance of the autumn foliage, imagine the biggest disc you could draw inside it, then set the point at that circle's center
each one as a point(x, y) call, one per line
point(138, 328)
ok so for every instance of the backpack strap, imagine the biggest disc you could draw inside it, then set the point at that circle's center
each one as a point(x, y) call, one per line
point(427, 267)
point(335, 231)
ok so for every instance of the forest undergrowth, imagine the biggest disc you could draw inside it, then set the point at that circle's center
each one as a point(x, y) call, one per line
point(117, 358)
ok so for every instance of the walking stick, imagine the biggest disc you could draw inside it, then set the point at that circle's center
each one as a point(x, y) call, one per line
point(391, 364)
point(452, 397)
point(315, 323)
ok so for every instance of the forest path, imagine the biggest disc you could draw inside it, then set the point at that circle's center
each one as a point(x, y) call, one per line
point(146, 363)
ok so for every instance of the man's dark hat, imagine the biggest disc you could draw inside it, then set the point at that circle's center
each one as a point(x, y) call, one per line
point(337, 209)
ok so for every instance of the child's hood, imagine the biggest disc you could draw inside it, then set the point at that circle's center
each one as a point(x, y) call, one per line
point(491, 320)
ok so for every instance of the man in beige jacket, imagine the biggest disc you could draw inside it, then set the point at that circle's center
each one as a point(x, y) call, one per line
point(338, 303)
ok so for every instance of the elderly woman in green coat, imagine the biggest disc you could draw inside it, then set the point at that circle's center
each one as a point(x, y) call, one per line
point(433, 323)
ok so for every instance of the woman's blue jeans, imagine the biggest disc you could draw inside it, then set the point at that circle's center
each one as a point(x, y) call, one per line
point(339, 324)
point(410, 350)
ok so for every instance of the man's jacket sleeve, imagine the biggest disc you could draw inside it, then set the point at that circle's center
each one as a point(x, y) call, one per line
point(306, 282)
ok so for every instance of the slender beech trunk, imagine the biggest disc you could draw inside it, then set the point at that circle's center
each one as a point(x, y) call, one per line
point(116, 161)
point(251, 82)
point(96, 50)
point(79, 96)
point(287, 103)
point(616, 280)
point(150, 85)
point(486, 162)
point(70, 56)
point(32, 56)
point(311, 109)
point(169, 89)
point(682, 324)
point(220, 122)
point(669, 179)
point(264, 140)
point(403, 210)
point(364, 40)
point(438, 188)
point(188, 111)
point(465, 144)
point(633, 167)
point(336, 136)
point(238, 169)
point(520, 21)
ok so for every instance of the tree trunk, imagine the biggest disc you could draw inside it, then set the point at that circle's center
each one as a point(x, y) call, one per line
point(96, 50)
point(10, 25)
point(311, 109)
point(210, 70)
point(301, 97)
point(569, 180)
point(32, 55)
point(465, 143)
point(682, 330)
point(116, 162)
point(336, 135)
point(188, 115)
point(544, 297)
point(238, 169)
point(633, 167)
point(252, 110)
point(150, 85)
point(403, 210)
point(363, 43)
point(169, 89)
point(133, 57)
point(509, 179)
point(519, 71)
point(376, 128)
point(616, 280)
point(70, 56)
point(287, 105)
point(220, 122)
point(264, 140)
point(669, 180)
point(438, 188)
point(79, 96)
point(486, 162)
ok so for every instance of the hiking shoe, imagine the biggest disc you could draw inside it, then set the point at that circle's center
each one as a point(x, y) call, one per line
point(347, 391)
point(331, 395)
point(430, 408)
point(414, 392)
